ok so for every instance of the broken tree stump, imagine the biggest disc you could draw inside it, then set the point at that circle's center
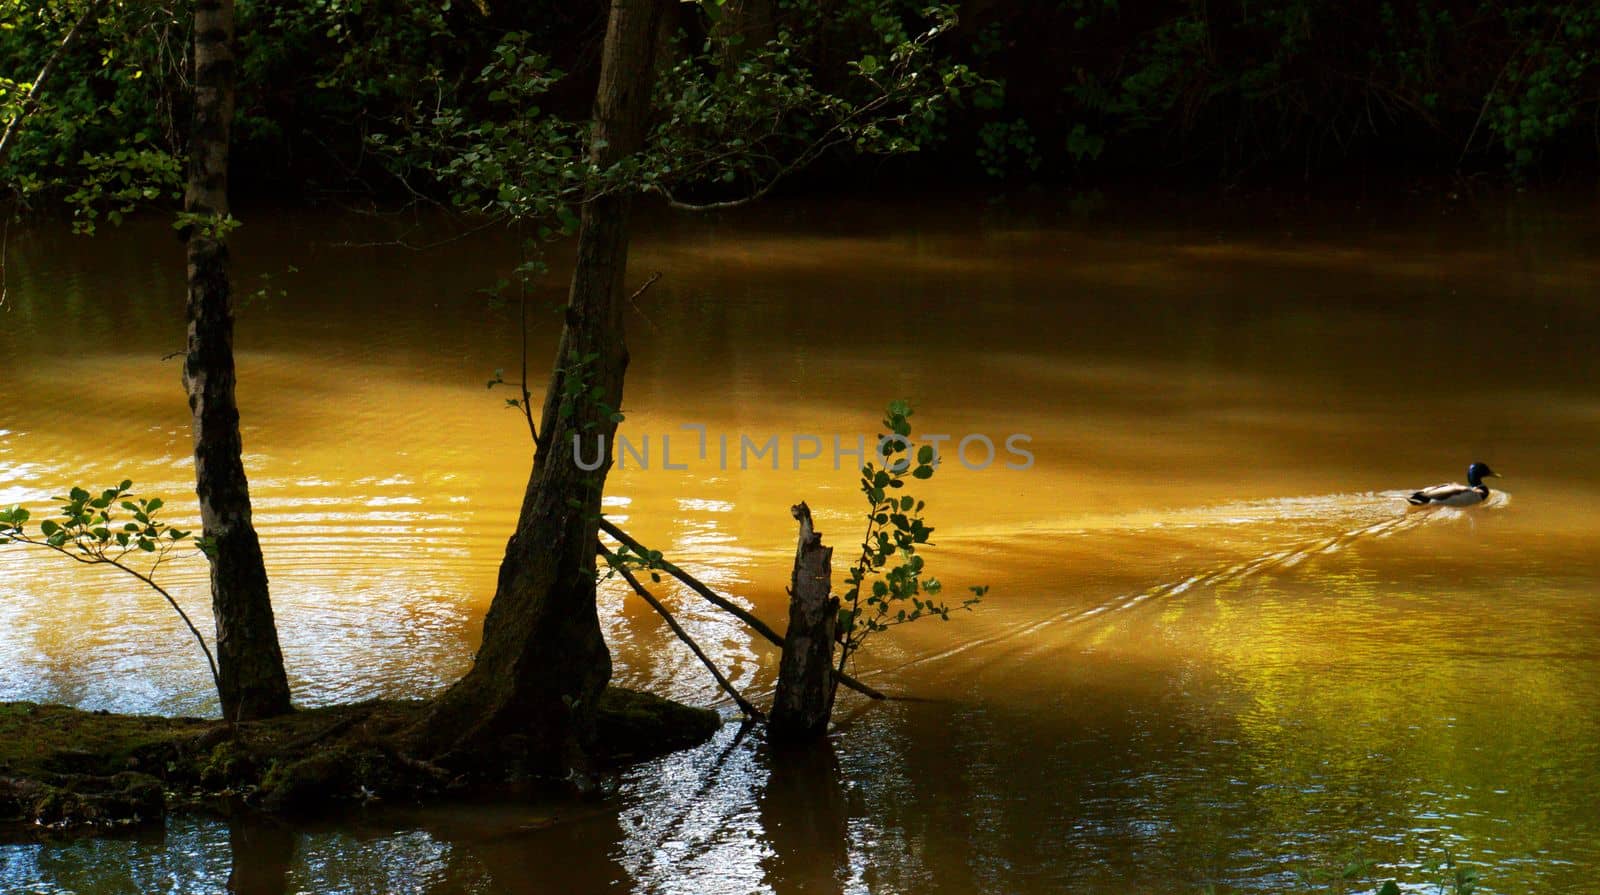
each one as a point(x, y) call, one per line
point(804, 701)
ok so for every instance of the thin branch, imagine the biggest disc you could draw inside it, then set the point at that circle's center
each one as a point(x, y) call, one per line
point(522, 321)
point(756, 624)
point(853, 640)
point(633, 300)
point(5, 247)
point(641, 290)
point(31, 102)
point(835, 135)
point(1488, 98)
point(97, 559)
point(801, 161)
point(727, 686)
point(420, 247)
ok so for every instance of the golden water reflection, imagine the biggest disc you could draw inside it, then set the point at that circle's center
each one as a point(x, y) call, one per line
point(1218, 647)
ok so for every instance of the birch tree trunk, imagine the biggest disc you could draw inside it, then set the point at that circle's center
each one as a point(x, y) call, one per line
point(249, 661)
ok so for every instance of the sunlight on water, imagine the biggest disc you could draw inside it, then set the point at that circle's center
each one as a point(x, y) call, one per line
point(1218, 645)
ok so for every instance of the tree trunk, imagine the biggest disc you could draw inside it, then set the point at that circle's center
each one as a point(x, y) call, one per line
point(534, 685)
point(250, 664)
point(804, 701)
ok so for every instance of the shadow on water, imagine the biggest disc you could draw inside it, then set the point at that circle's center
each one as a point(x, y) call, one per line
point(805, 810)
point(792, 801)
point(263, 855)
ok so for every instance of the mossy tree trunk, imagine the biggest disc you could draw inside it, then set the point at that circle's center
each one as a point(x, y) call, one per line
point(533, 688)
point(250, 664)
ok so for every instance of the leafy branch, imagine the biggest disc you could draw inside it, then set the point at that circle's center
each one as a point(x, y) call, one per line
point(90, 530)
point(745, 128)
point(886, 585)
point(531, 266)
point(30, 96)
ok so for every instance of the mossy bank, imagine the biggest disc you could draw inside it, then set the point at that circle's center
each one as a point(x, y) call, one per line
point(64, 771)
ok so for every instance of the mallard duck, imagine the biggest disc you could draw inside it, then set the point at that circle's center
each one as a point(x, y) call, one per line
point(1453, 495)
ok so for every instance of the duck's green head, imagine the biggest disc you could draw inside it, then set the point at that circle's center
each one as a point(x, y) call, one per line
point(1477, 472)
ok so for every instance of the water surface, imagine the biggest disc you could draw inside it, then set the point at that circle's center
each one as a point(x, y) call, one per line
point(1217, 649)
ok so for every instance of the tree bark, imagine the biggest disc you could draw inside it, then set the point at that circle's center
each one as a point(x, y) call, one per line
point(534, 685)
point(804, 701)
point(250, 663)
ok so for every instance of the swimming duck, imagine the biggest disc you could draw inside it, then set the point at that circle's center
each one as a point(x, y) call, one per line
point(1453, 495)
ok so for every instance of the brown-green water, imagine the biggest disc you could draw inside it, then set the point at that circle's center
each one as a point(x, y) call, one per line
point(1217, 647)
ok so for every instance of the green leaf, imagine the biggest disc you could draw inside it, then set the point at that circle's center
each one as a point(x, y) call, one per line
point(922, 472)
point(1389, 888)
point(48, 528)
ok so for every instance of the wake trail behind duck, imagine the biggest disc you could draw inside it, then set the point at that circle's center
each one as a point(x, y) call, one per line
point(1356, 517)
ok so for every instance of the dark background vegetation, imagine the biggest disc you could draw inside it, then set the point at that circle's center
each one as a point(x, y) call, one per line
point(1079, 92)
